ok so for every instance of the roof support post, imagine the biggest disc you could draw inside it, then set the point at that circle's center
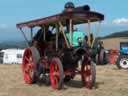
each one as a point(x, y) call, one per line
point(57, 31)
point(31, 32)
point(27, 42)
point(95, 34)
point(70, 31)
point(89, 32)
point(44, 32)
point(62, 30)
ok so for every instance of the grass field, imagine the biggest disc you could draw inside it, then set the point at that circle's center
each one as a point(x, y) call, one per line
point(110, 82)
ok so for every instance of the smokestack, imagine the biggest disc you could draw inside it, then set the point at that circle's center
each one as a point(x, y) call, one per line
point(85, 7)
point(69, 6)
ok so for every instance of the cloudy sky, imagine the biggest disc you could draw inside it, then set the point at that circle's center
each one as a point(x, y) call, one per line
point(15, 11)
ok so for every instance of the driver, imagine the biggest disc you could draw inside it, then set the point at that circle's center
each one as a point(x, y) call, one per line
point(75, 37)
point(38, 38)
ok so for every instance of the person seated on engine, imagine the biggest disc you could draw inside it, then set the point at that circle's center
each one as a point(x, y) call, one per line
point(39, 41)
point(38, 38)
point(49, 35)
point(49, 40)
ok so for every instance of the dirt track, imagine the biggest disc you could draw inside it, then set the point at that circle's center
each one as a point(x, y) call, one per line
point(110, 82)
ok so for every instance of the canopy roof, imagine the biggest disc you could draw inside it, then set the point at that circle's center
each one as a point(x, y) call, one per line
point(78, 16)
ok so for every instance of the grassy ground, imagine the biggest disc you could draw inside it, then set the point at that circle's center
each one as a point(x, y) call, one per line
point(110, 82)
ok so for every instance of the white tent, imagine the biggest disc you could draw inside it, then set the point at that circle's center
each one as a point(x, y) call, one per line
point(12, 56)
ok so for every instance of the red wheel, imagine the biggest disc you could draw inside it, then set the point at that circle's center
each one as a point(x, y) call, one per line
point(88, 72)
point(56, 73)
point(28, 65)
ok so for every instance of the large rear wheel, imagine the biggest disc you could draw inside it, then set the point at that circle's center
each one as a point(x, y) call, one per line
point(88, 73)
point(56, 73)
point(30, 59)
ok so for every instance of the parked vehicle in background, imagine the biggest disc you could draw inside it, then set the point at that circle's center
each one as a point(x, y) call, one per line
point(113, 56)
point(11, 56)
point(100, 54)
point(122, 61)
point(1, 57)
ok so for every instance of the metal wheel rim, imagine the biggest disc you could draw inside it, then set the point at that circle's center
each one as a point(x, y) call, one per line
point(87, 74)
point(54, 74)
point(124, 63)
point(28, 66)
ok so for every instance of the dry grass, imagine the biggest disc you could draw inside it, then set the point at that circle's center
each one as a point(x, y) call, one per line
point(110, 82)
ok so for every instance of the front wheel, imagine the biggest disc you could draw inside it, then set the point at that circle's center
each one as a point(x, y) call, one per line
point(56, 73)
point(88, 73)
point(122, 62)
point(30, 59)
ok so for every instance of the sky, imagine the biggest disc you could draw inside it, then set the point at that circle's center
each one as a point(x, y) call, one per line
point(16, 11)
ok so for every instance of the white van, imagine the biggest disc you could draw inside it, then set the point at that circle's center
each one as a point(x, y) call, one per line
point(12, 56)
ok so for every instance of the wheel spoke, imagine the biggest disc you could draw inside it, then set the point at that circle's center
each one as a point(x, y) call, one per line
point(55, 67)
point(56, 71)
point(26, 68)
point(27, 59)
point(87, 70)
point(30, 59)
point(56, 81)
point(32, 65)
point(57, 74)
point(31, 73)
point(87, 75)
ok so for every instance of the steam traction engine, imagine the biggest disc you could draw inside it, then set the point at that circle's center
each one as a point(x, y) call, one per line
point(55, 57)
